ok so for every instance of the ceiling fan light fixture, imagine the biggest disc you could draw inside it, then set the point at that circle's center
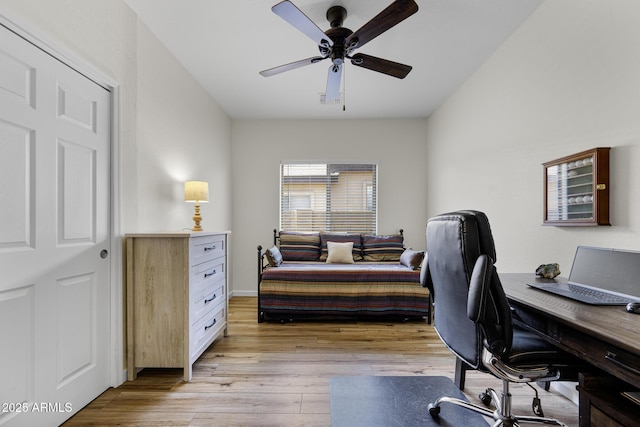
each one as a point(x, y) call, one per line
point(335, 101)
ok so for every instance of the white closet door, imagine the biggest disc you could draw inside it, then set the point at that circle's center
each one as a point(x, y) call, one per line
point(54, 236)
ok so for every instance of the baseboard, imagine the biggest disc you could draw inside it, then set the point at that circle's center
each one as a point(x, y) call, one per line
point(243, 294)
point(567, 389)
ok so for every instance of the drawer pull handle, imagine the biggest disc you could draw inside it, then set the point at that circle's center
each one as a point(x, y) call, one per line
point(211, 325)
point(612, 357)
point(210, 248)
point(207, 301)
point(209, 274)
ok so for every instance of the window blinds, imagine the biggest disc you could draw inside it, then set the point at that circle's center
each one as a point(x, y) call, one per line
point(337, 197)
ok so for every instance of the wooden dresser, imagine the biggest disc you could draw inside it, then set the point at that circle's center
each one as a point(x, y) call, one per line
point(176, 298)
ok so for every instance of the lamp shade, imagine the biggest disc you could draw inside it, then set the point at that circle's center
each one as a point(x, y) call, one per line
point(196, 191)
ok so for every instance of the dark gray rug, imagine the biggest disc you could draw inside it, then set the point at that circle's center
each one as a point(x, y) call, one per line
point(396, 401)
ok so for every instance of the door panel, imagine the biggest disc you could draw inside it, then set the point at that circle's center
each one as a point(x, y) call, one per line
point(17, 326)
point(54, 223)
point(16, 187)
point(76, 327)
point(17, 81)
point(76, 198)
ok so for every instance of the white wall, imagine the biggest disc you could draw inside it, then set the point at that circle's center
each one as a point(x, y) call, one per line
point(397, 146)
point(566, 81)
point(170, 129)
point(182, 135)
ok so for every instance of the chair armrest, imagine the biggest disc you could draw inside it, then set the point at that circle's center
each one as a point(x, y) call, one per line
point(542, 372)
point(479, 288)
point(487, 306)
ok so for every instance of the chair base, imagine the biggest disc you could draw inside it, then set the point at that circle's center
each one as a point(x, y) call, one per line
point(501, 417)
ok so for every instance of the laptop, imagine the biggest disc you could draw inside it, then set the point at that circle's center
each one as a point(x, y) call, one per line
point(600, 276)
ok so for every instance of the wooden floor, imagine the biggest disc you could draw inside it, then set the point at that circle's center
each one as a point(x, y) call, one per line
point(272, 374)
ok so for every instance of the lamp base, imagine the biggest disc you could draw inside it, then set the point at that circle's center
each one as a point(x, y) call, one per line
point(197, 218)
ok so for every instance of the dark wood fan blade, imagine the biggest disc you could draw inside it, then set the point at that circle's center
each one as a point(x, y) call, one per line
point(291, 66)
point(395, 13)
point(333, 83)
point(380, 65)
point(294, 16)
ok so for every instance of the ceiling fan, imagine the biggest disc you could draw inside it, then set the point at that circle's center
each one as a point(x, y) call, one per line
point(338, 42)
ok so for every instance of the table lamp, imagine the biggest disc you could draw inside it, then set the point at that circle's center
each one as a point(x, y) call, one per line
point(196, 192)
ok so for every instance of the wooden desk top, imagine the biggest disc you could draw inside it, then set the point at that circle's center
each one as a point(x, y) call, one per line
point(609, 324)
point(606, 337)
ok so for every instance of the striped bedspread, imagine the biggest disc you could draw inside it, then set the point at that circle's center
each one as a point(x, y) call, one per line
point(354, 289)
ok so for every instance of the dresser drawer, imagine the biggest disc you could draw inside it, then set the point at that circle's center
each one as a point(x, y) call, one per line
point(208, 272)
point(206, 329)
point(206, 299)
point(205, 248)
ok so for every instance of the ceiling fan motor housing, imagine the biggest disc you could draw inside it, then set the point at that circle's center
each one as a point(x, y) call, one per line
point(337, 33)
point(336, 16)
point(338, 36)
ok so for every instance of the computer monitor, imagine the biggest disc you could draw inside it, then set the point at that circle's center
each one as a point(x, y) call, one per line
point(614, 270)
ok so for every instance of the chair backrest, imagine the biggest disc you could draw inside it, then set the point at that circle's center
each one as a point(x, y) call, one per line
point(470, 307)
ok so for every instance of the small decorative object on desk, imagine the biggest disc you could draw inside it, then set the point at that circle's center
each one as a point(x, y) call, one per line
point(548, 271)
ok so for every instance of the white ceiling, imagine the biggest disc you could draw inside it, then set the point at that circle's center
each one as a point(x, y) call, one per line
point(225, 43)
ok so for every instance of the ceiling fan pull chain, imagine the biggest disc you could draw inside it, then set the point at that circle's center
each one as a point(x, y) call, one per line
point(344, 88)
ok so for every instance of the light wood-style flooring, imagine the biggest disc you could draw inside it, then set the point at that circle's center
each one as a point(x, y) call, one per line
point(273, 374)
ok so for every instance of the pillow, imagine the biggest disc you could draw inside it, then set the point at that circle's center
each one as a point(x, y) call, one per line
point(297, 246)
point(412, 259)
point(340, 252)
point(274, 256)
point(341, 237)
point(382, 248)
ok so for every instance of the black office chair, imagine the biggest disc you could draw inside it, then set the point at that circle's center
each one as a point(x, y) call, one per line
point(473, 318)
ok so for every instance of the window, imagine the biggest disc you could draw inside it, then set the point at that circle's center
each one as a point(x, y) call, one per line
point(338, 197)
point(293, 202)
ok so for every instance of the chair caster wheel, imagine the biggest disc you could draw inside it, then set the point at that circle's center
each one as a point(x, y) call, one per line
point(434, 411)
point(485, 398)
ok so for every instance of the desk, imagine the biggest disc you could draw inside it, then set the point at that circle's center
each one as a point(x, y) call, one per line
point(606, 337)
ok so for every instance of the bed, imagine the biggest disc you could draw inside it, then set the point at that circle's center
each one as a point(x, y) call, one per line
point(382, 279)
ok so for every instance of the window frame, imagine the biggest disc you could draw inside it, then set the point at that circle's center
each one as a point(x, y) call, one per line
point(322, 217)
